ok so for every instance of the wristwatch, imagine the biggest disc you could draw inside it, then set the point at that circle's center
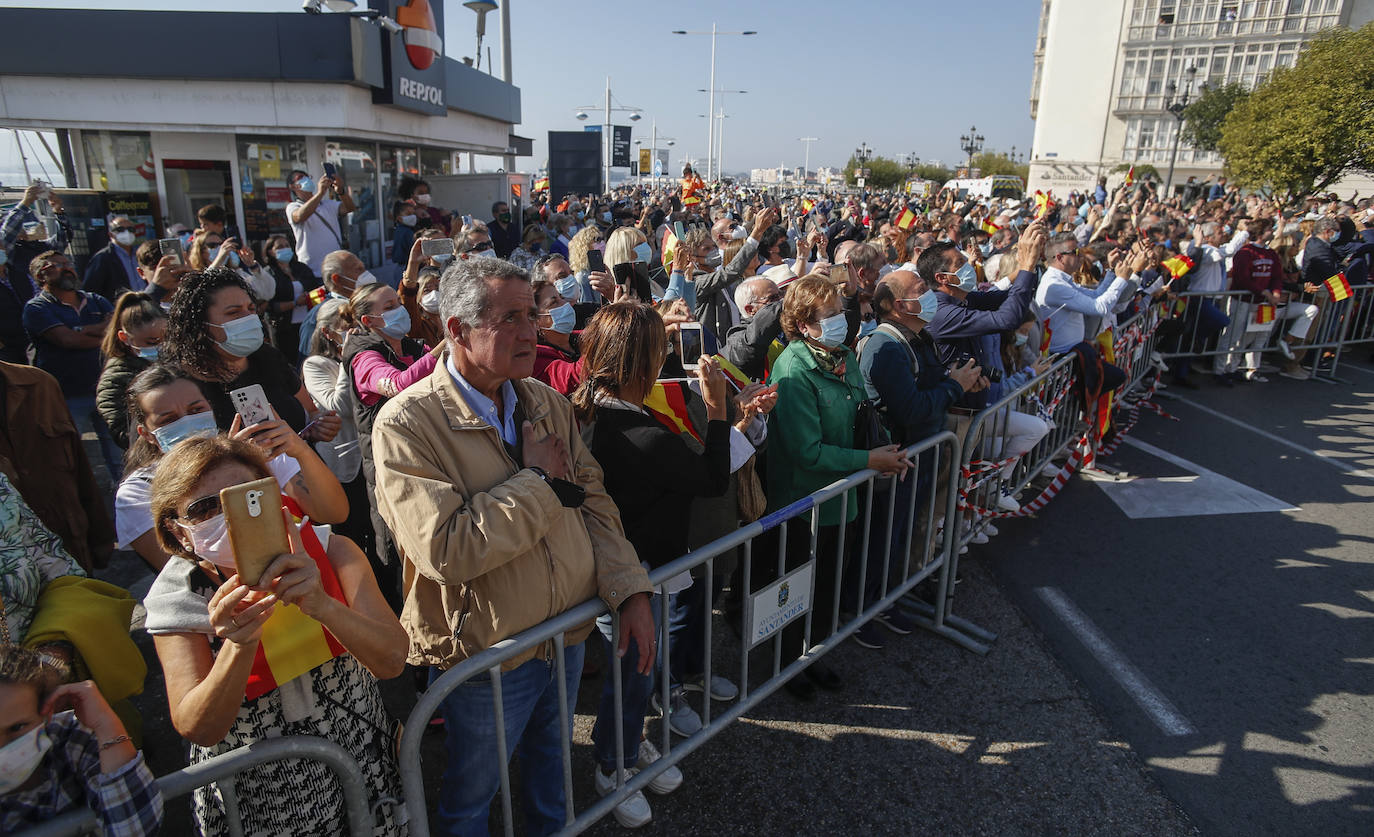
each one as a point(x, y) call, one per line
point(570, 494)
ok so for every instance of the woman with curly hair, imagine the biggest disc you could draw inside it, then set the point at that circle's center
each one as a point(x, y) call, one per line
point(214, 334)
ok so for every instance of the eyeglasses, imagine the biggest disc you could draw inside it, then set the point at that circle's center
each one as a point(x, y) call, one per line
point(199, 511)
point(122, 229)
point(481, 248)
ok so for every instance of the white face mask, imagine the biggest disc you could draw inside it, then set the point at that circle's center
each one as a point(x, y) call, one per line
point(210, 540)
point(20, 757)
point(429, 301)
point(408, 220)
point(365, 278)
point(423, 200)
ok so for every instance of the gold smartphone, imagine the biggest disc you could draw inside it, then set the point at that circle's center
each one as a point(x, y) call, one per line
point(257, 529)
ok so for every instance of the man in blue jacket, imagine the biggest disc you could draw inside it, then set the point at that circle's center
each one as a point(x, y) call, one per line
point(113, 271)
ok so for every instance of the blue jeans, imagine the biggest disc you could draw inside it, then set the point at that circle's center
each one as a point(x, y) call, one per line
point(89, 420)
point(472, 775)
point(635, 690)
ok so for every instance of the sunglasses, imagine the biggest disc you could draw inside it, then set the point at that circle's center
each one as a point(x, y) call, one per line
point(122, 229)
point(199, 511)
point(482, 248)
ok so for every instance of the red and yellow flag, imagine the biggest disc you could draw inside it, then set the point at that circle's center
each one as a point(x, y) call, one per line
point(1106, 344)
point(292, 643)
point(316, 297)
point(1265, 313)
point(1339, 287)
point(1130, 176)
point(775, 349)
point(1045, 339)
point(691, 200)
point(668, 248)
point(732, 373)
point(541, 185)
point(808, 205)
point(1043, 204)
point(1177, 266)
point(667, 402)
point(988, 227)
point(906, 219)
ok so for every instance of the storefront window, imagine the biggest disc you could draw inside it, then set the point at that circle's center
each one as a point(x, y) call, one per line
point(357, 166)
point(435, 161)
point(117, 161)
point(264, 164)
point(397, 162)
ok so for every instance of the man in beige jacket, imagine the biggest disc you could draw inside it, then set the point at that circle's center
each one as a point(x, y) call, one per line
point(501, 516)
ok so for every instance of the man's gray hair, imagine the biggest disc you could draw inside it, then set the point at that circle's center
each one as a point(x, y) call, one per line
point(464, 291)
point(1326, 225)
point(1064, 242)
point(333, 263)
point(1210, 229)
point(541, 267)
point(865, 256)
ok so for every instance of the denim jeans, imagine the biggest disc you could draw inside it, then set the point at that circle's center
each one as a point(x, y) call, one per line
point(635, 690)
point(89, 420)
point(471, 778)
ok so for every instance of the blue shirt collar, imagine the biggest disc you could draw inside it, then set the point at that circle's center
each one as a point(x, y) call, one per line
point(484, 407)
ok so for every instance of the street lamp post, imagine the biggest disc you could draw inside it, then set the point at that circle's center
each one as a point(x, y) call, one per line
point(862, 153)
point(719, 129)
point(606, 138)
point(806, 141)
point(1177, 108)
point(711, 103)
point(971, 143)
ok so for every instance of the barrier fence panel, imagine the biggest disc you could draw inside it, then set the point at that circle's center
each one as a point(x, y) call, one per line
point(804, 588)
point(222, 768)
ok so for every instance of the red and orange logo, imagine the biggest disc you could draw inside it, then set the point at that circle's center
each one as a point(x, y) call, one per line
point(421, 35)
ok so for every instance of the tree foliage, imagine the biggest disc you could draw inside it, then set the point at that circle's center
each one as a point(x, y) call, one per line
point(1143, 171)
point(995, 162)
point(1309, 125)
point(884, 173)
point(1202, 120)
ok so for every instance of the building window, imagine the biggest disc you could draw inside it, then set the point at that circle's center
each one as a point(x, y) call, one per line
point(119, 161)
point(265, 163)
point(357, 165)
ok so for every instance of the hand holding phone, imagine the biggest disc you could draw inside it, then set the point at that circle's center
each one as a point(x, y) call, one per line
point(251, 404)
point(257, 527)
point(689, 345)
point(596, 262)
point(172, 247)
point(436, 247)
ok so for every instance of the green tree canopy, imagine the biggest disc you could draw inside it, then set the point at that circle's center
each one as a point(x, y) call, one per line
point(1309, 125)
point(1143, 171)
point(883, 172)
point(995, 162)
point(1202, 120)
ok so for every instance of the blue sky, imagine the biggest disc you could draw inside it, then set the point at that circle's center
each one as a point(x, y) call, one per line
point(904, 77)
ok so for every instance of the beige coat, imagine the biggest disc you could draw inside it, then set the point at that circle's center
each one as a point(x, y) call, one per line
point(488, 549)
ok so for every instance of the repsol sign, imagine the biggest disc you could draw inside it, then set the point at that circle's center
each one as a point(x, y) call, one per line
point(420, 92)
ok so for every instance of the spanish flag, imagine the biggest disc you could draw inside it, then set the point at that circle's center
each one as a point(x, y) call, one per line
point(988, 227)
point(1130, 176)
point(1043, 204)
point(667, 402)
point(906, 219)
point(1106, 345)
point(808, 205)
point(691, 200)
point(292, 643)
point(316, 297)
point(541, 185)
point(1265, 313)
point(1045, 339)
point(775, 349)
point(733, 374)
point(668, 248)
point(1339, 287)
point(1177, 266)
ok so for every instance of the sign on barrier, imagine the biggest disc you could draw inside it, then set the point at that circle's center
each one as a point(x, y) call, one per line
point(786, 599)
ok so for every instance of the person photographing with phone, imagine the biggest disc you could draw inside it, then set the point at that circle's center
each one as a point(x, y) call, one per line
point(220, 641)
point(314, 213)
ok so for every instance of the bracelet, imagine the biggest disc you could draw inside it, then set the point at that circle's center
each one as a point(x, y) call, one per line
point(119, 739)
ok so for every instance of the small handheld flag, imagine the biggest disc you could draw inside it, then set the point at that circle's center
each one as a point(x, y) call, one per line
point(1130, 176)
point(732, 373)
point(667, 403)
point(1339, 287)
point(316, 297)
point(906, 219)
point(541, 185)
point(1043, 204)
point(988, 227)
point(1177, 266)
point(1265, 313)
point(808, 205)
point(668, 249)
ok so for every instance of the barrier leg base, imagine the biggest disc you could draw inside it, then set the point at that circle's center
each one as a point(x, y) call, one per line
point(956, 629)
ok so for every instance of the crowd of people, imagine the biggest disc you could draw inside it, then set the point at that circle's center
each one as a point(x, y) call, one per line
point(573, 394)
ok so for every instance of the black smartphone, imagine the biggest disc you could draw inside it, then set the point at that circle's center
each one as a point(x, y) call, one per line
point(331, 170)
point(595, 261)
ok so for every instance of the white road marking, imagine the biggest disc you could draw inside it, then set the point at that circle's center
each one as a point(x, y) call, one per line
point(1205, 493)
point(1154, 704)
point(1343, 466)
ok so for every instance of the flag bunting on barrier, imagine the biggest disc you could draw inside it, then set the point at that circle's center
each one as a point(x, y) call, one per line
point(1339, 287)
point(1265, 313)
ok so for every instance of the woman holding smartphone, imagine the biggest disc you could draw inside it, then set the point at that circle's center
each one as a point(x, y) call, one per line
point(211, 250)
point(224, 686)
point(214, 333)
point(291, 301)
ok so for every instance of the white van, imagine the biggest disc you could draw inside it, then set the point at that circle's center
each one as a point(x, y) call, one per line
point(985, 188)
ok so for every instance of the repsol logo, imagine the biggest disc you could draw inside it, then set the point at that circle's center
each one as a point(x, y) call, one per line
point(412, 89)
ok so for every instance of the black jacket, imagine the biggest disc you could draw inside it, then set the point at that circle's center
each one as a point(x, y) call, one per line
point(105, 275)
point(746, 345)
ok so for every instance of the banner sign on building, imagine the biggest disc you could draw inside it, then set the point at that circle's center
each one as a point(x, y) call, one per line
point(413, 59)
point(620, 145)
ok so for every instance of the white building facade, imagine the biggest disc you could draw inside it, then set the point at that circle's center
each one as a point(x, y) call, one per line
point(1100, 89)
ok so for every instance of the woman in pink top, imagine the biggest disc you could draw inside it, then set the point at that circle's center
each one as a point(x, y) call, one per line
point(380, 361)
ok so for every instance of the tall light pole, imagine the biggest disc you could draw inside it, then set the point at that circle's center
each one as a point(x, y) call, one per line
point(720, 129)
point(971, 143)
point(1177, 108)
point(806, 141)
point(606, 138)
point(711, 102)
point(862, 153)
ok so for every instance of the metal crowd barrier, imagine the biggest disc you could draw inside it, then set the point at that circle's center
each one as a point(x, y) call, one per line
point(921, 556)
point(224, 767)
point(1337, 324)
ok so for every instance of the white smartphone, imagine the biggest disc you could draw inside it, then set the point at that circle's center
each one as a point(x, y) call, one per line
point(689, 345)
point(251, 404)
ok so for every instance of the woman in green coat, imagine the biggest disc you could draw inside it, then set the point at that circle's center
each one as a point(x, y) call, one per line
point(130, 346)
point(811, 445)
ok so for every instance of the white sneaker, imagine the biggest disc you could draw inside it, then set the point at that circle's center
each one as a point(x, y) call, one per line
point(978, 539)
point(682, 719)
point(1007, 503)
point(721, 689)
point(991, 530)
point(665, 782)
point(634, 812)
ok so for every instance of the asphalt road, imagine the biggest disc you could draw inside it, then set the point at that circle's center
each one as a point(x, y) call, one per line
point(1233, 652)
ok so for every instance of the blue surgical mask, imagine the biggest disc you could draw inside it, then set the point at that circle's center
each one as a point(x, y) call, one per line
point(567, 287)
point(714, 260)
point(186, 427)
point(868, 327)
point(606, 217)
point(1021, 339)
point(285, 254)
point(564, 318)
point(985, 249)
point(929, 302)
point(642, 252)
point(833, 331)
point(305, 184)
point(243, 336)
point(147, 352)
point(968, 277)
point(395, 323)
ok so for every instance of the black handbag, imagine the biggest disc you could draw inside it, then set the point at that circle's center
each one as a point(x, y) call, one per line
point(869, 430)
